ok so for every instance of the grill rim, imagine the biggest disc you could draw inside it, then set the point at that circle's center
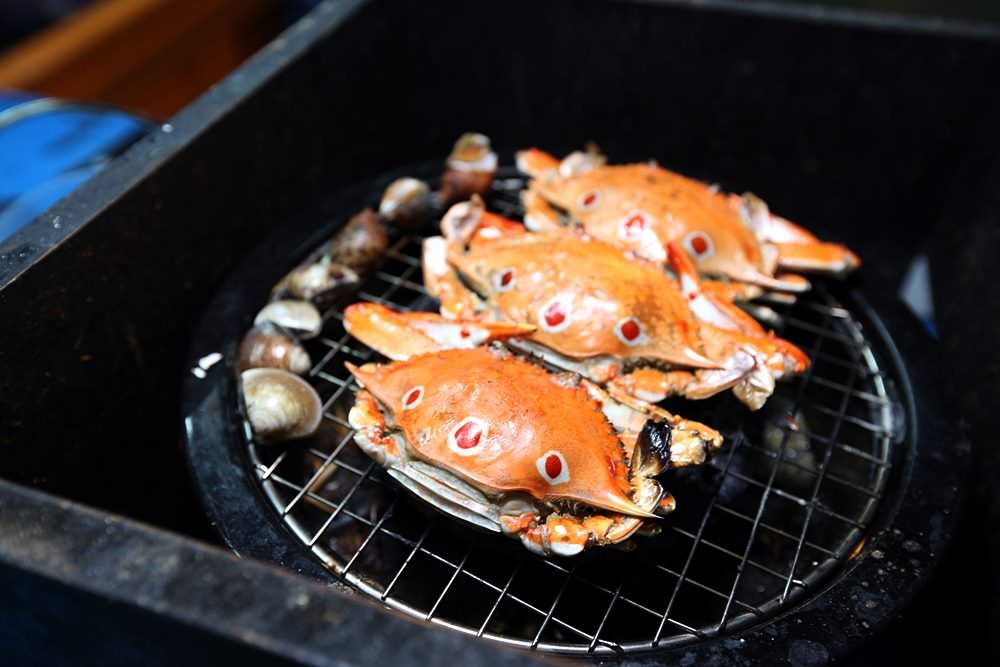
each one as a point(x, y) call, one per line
point(245, 497)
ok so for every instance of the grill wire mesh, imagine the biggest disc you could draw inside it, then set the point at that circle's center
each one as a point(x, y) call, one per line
point(778, 511)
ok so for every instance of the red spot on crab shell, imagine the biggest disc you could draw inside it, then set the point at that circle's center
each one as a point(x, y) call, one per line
point(506, 277)
point(464, 333)
point(555, 314)
point(468, 435)
point(699, 244)
point(411, 399)
point(589, 199)
point(553, 466)
point(635, 225)
point(630, 329)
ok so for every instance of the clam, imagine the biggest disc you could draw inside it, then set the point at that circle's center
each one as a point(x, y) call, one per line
point(360, 243)
point(320, 282)
point(470, 168)
point(268, 346)
point(298, 317)
point(406, 203)
point(280, 406)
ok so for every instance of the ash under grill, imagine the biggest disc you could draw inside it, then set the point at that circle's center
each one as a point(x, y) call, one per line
point(774, 517)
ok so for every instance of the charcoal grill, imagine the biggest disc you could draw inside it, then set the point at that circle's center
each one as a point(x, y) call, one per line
point(873, 130)
point(776, 517)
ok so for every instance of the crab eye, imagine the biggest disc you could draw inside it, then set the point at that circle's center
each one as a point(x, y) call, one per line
point(555, 315)
point(590, 200)
point(468, 436)
point(552, 467)
point(699, 245)
point(629, 331)
point(633, 225)
point(413, 397)
point(504, 280)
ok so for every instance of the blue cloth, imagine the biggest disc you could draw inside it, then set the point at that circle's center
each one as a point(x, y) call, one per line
point(48, 148)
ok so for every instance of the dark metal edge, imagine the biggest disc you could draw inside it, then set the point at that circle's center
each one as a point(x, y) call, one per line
point(30, 245)
point(847, 16)
point(199, 603)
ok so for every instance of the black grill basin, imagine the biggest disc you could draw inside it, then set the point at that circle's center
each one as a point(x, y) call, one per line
point(777, 516)
point(873, 131)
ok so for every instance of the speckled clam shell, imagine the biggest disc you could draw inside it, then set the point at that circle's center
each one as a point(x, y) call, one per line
point(359, 244)
point(280, 406)
point(267, 346)
point(470, 168)
point(321, 282)
point(298, 317)
point(407, 203)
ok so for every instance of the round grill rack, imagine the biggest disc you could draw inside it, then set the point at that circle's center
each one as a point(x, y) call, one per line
point(773, 519)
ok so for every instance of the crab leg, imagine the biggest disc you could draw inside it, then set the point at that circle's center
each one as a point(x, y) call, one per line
point(400, 336)
point(457, 302)
point(718, 312)
point(751, 383)
point(537, 163)
point(797, 248)
point(567, 535)
point(539, 215)
point(743, 295)
point(826, 257)
point(689, 442)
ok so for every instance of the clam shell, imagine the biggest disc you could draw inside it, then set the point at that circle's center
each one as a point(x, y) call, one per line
point(470, 168)
point(298, 317)
point(360, 243)
point(406, 203)
point(266, 346)
point(280, 406)
point(320, 282)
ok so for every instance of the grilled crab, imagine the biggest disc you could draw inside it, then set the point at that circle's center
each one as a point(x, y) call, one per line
point(642, 207)
point(602, 312)
point(503, 444)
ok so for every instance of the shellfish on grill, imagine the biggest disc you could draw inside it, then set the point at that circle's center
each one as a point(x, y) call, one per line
point(280, 406)
point(267, 346)
point(602, 312)
point(501, 443)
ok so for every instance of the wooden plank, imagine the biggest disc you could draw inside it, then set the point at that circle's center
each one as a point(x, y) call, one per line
point(153, 56)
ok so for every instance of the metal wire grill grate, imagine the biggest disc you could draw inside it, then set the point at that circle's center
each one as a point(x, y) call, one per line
point(778, 511)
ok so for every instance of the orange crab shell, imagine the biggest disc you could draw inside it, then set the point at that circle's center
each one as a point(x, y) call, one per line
point(643, 205)
point(618, 305)
point(504, 425)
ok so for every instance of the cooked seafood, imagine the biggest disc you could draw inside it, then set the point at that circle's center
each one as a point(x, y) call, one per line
point(503, 444)
point(280, 406)
point(602, 312)
point(643, 207)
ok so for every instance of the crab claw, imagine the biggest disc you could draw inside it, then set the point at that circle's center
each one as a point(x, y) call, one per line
point(400, 336)
point(708, 307)
point(832, 258)
point(796, 248)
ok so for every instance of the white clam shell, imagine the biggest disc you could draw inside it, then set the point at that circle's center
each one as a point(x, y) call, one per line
point(299, 317)
point(279, 405)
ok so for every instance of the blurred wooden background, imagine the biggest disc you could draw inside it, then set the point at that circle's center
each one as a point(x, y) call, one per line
point(147, 56)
